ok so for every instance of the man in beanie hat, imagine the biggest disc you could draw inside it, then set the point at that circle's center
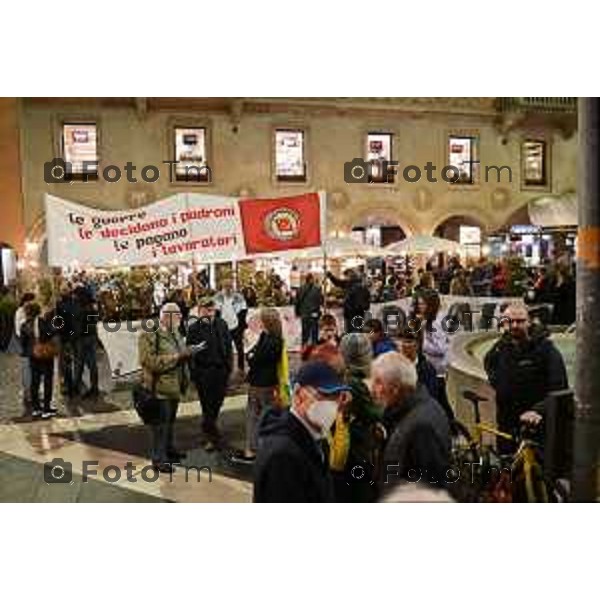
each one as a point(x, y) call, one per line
point(357, 353)
point(354, 472)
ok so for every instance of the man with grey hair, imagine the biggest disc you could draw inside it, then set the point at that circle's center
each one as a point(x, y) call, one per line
point(418, 432)
point(164, 357)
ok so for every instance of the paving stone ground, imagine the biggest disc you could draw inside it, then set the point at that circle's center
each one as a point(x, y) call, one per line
point(108, 430)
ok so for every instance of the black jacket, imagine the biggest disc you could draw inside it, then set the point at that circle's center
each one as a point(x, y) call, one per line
point(218, 353)
point(522, 373)
point(563, 298)
point(427, 376)
point(85, 315)
point(357, 299)
point(65, 309)
point(309, 301)
point(418, 444)
point(46, 331)
point(263, 359)
point(290, 466)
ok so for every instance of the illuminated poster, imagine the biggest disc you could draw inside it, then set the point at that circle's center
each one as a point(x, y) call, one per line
point(79, 145)
point(190, 152)
point(289, 154)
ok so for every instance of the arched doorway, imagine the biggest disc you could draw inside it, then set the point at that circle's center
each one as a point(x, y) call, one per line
point(466, 230)
point(377, 230)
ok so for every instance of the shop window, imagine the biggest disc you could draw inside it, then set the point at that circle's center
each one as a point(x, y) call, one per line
point(80, 145)
point(190, 154)
point(470, 240)
point(358, 235)
point(533, 161)
point(379, 155)
point(290, 164)
point(462, 153)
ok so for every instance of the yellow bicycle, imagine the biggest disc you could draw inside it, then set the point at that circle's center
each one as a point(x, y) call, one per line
point(517, 477)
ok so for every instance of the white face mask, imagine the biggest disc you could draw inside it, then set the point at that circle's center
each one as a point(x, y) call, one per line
point(323, 413)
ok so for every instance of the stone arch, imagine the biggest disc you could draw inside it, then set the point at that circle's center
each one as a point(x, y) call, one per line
point(377, 215)
point(459, 218)
point(518, 216)
point(517, 207)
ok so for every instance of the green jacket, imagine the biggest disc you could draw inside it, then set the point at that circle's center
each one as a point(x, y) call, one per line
point(364, 415)
point(171, 375)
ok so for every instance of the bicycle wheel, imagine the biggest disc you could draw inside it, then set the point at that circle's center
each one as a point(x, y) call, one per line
point(464, 453)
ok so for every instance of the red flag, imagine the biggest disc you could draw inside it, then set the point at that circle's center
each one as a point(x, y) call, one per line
point(281, 223)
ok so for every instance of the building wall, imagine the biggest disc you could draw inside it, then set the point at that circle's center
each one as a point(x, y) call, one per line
point(12, 226)
point(241, 162)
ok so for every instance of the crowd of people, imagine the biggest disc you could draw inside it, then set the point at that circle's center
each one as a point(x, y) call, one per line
point(366, 409)
point(64, 331)
point(140, 292)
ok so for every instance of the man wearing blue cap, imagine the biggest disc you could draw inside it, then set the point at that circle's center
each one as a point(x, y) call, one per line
point(291, 465)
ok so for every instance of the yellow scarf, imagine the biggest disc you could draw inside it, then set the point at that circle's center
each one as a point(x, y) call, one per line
point(339, 444)
point(283, 377)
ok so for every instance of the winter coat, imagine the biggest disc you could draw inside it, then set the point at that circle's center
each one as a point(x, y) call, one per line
point(218, 353)
point(357, 299)
point(522, 373)
point(309, 301)
point(35, 330)
point(158, 352)
point(290, 464)
point(418, 443)
point(263, 360)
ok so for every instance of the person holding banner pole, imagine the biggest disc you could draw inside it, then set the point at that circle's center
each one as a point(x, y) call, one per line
point(357, 299)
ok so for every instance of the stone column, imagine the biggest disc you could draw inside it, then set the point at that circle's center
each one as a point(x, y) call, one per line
point(587, 426)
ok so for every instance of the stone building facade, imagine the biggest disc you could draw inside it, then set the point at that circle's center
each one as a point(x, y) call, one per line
point(240, 150)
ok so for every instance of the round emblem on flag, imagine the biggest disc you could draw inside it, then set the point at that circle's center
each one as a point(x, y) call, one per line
point(282, 224)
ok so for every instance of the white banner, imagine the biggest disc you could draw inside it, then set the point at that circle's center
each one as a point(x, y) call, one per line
point(182, 228)
point(121, 346)
point(167, 231)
